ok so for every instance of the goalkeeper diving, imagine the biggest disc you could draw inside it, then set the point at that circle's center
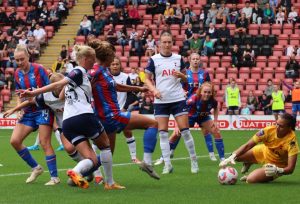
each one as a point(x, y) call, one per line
point(275, 147)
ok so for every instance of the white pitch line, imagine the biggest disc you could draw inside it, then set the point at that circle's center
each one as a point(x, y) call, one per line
point(121, 164)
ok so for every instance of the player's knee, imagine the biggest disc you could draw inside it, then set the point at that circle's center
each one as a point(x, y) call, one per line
point(69, 148)
point(154, 124)
point(15, 142)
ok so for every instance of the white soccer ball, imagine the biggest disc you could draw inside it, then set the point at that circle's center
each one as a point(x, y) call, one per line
point(228, 175)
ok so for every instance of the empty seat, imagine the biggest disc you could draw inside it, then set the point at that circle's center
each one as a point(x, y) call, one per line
point(288, 28)
point(256, 73)
point(266, 50)
point(204, 61)
point(248, 39)
point(294, 39)
point(220, 73)
point(214, 61)
point(261, 61)
point(283, 61)
point(265, 29)
point(262, 84)
point(259, 113)
point(244, 73)
point(253, 29)
point(250, 84)
point(268, 73)
point(273, 61)
point(280, 72)
point(226, 61)
point(271, 40)
point(283, 39)
point(232, 28)
point(259, 40)
point(217, 84)
point(220, 96)
point(276, 29)
point(241, 83)
point(278, 50)
point(232, 73)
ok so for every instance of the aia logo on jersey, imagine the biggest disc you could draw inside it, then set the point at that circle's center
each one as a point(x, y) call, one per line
point(168, 72)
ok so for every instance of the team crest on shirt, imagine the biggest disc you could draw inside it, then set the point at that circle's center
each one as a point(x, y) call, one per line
point(260, 133)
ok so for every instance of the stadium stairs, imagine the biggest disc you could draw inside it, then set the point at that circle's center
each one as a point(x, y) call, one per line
point(67, 32)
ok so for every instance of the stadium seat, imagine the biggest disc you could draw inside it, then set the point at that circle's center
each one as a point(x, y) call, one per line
point(258, 93)
point(261, 61)
point(147, 19)
point(220, 73)
point(250, 84)
point(259, 40)
point(133, 62)
point(288, 28)
point(225, 61)
point(211, 72)
point(288, 107)
point(214, 61)
point(244, 73)
point(204, 61)
point(268, 73)
point(262, 83)
point(265, 29)
point(217, 84)
point(283, 39)
point(236, 39)
point(280, 72)
point(256, 73)
point(241, 83)
point(289, 82)
point(256, 50)
point(283, 61)
point(273, 61)
point(278, 50)
point(266, 50)
point(124, 61)
point(80, 39)
point(220, 96)
point(253, 29)
point(232, 73)
point(271, 40)
point(248, 39)
point(294, 39)
point(232, 28)
point(5, 95)
point(276, 29)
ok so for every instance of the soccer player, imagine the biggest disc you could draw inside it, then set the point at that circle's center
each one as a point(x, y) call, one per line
point(200, 105)
point(165, 68)
point(295, 97)
point(275, 146)
point(79, 121)
point(51, 100)
point(277, 102)
point(195, 77)
point(107, 107)
point(233, 102)
point(28, 76)
point(122, 78)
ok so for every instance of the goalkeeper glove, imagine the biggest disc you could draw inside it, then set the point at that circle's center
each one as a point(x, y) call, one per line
point(230, 160)
point(272, 170)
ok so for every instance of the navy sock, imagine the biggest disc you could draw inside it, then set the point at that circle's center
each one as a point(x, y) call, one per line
point(220, 147)
point(150, 139)
point(209, 142)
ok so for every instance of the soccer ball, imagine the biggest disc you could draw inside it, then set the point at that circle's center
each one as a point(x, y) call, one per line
point(228, 175)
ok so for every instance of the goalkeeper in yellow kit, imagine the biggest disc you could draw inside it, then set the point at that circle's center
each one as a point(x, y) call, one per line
point(274, 146)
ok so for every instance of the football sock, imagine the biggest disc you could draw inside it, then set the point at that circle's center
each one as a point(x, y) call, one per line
point(106, 159)
point(95, 148)
point(57, 135)
point(165, 146)
point(37, 140)
point(83, 166)
point(148, 158)
point(93, 169)
point(26, 156)
point(150, 140)
point(189, 142)
point(76, 156)
point(209, 142)
point(51, 163)
point(132, 147)
point(220, 147)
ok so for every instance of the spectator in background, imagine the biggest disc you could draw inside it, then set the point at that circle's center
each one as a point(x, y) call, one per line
point(248, 57)
point(178, 14)
point(247, 10)
point(136, 47)
point(23, 40)
point(17, 34)
point(150, 46)
point(68, 66)
point(252, 102)
point(277, 102)
point(245, 110)
point(111, 35)
point(265, 104)
point(44, 15)
point(133, 75)
point(236, 56)
point(262, 3)
point(212, 14)
point(64, 52)
point(58, 65)
point(152, 7)
point(122, 37)
point(31, 15)
point(224, 37)
point(212, 32)
point(146, 32)
point(222, 14)
point(208, 47)
point(186, 16)
point(242, 25)
point(293, 16)
point(233, 102)
point(11, 59)
point(54, 18)
point(3, 17)
point(114, 17)
point(257, 14)
point(39, 34)
point(292, 68)
point(85, 26)
point(274, 4)
point(12, 15)
point(195, 44)
point(280, 16)
point(233, 15)
point(33, 47)
point(269, 88)
point(286, 5)
point(134, 15)
point(98, 25)
point(142, 74)
point(269, 16)
point(147, 106)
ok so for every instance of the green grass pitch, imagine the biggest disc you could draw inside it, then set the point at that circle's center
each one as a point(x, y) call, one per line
point(179, 187)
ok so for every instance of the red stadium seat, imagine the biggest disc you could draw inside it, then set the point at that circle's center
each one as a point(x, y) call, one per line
point(265, 29)
point(217, 84)
point(268, 73)
point(232, 28)
point(251, 84)
point(258, 93)
point(284, 60)
point(240, 83)
point(253, 29)
point(294, 39)
point(288, 107)
point(283, 39)
point(6, 95)
point(288, 28)
point(226, 61)
point(220, 96)
point(278, 50)
point(273, 61)
point(244, 73)
point(10, 70)
point(124, 61)
point(276, 29)
point(261, 61)
point(214, 61)
point(147, 19)
point(211, 72)
point(204, 61)
point(280, 72)
point(133, 62)
point(262, 83)
point(256, 73)
point(80, 39)
point(232, 73)
point(220, 73)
